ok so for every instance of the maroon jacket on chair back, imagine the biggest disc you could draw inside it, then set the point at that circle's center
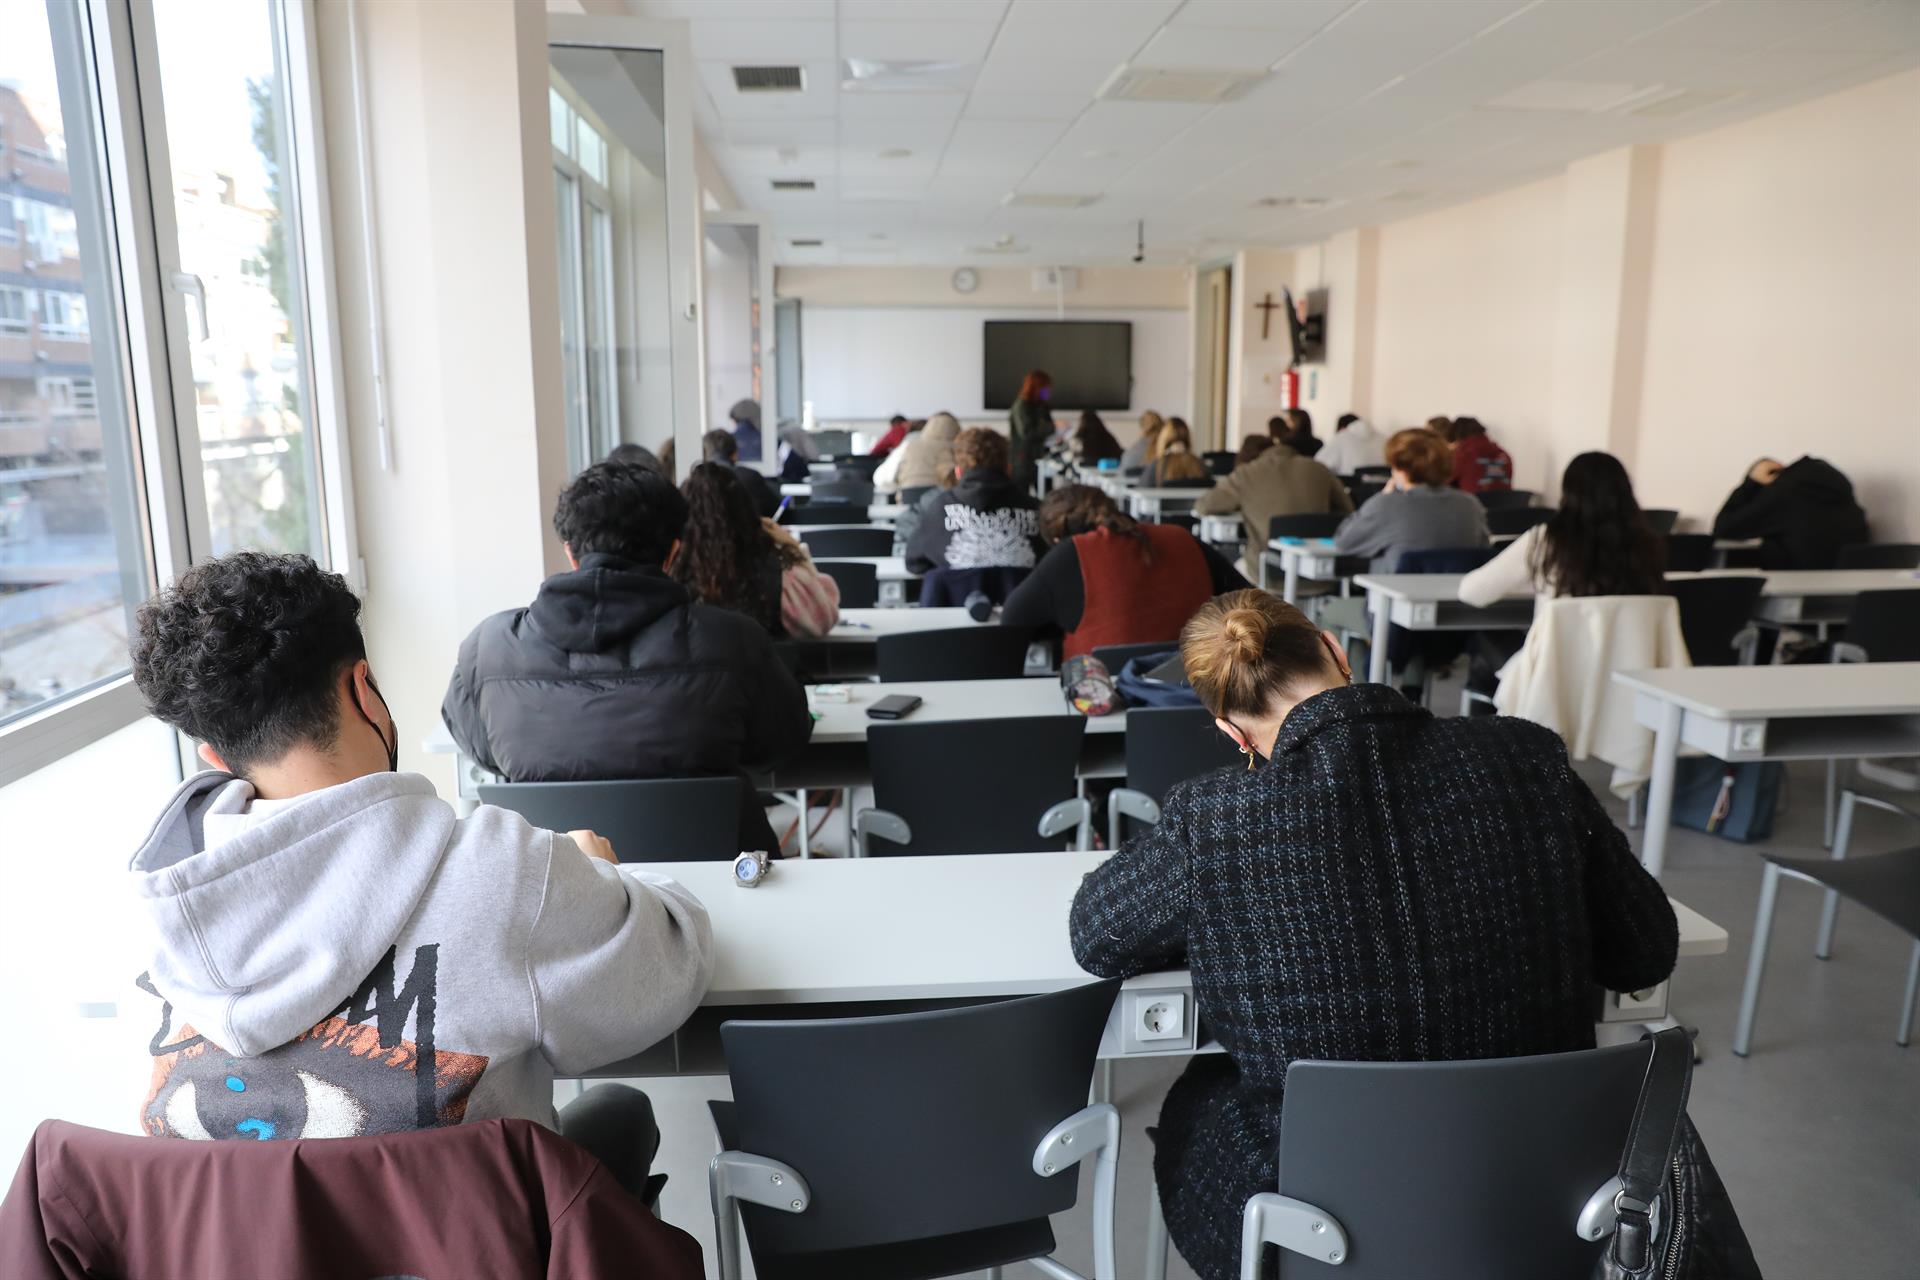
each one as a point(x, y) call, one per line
point(497, 1198)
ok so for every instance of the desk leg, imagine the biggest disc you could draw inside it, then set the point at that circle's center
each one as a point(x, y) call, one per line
point(1382, 627)
point(1156, 1259)
point(1666, 757)
point(1291, 591)
point(800, 803)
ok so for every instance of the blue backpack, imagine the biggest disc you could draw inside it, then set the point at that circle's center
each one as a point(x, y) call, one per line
point(1138, 685)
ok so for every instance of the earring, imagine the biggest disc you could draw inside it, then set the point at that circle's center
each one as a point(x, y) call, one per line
point(1248, 753)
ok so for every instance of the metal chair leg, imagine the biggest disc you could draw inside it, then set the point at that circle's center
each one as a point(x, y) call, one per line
point(1830, 906)
point(1833, 787)
point(1757, 960)
point(1905, 1037)
point(1155, 1263)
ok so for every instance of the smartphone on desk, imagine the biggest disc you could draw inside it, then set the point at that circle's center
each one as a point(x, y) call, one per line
point(894, 706)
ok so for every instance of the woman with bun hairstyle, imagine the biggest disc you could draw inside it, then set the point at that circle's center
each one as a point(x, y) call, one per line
point(1137, 454)
point(1340, 899)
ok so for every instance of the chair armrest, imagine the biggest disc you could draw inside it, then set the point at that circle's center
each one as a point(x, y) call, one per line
point(1746, 643)
point(1293, 1225)
point(1841, 651)
point(1470, 696)
point(743, 1176)
point(1881, 803)
point(1075, 815)
point(1090, 1131)
point(1598, 1215)
point(1125, 802)
point(879, 822)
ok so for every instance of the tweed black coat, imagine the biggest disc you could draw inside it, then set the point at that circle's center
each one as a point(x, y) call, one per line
point(1388, 887)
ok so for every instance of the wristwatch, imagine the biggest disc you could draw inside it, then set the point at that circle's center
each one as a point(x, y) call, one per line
point(749, 869)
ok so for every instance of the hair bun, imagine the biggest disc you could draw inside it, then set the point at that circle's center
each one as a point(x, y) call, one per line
point(1244, 632)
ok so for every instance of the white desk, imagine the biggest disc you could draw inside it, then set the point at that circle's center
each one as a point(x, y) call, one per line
point(1431, 601)
point(907, 930)
point(1148, 504)
point(1820, 711)
point(847, 722)
point(1312, 559)
point(1222, 531)
point(867, 626)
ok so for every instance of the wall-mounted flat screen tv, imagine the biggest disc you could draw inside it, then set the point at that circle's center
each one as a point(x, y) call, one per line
point(1090, 361)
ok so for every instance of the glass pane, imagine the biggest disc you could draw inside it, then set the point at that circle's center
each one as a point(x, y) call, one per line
point(559, 122)
point(566, 217)
point(615, 285)
point(732, 313)
point(225, 88)
point(70, 559)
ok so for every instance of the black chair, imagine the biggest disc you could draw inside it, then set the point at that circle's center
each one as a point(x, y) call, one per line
point(1714, 617)
point(858, 465)
point(958, 653)
point(1165, 745)
point(649, 820)
point(1513, 521)
point(824, 513)
point(1689, 552)
point(1887, 884)
point(1503, 499)
point(1361, 491)
point(1220, 461)
point(1660, 519)
point(1116, 656)
point(874, 541)
point(1882, 626)
point(859, 583)
point(927, 1144)
point(1020, 767)
point(1449, 1170)
point(1879, 555)
point(1373, 475)
point(858, 493)
point(910, 497)
point(1437, 647)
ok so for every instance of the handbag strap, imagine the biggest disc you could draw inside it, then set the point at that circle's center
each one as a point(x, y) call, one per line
point(1656, 1117)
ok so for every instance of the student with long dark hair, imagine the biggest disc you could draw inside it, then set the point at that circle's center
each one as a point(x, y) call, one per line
point(1597, 544)
point(1091, 442)
point(1377, 885)
point(731, 557)
point(1110, 580)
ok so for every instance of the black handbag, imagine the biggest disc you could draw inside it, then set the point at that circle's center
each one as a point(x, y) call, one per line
point(1674, 1220)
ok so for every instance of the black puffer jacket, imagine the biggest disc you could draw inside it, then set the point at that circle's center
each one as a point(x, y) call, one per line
point(1802, 519)
point(613, 672)
point(984, 522)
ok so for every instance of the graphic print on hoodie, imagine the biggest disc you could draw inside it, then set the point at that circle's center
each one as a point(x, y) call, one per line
point(357, 961)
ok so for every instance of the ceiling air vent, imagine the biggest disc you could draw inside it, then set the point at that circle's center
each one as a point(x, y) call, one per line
point(769, 79)
point(795, 184)
point(1161, 84)
point(806, 244)
point(1046, 200)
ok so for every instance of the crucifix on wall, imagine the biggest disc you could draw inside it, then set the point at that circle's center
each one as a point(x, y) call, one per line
point(1266, 308)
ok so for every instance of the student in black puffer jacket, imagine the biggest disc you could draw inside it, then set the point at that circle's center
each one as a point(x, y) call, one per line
point(1802, 513)
point(614, 672)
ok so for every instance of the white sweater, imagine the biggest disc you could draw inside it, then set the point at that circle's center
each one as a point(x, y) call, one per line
point(1513, 572)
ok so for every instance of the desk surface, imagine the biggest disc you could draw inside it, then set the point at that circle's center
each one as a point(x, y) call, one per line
point(1442, 587)
point(1171, 493)
point(904, 928)
point(952, 700)
point(865, 626)
point(885, 568)
point(1758, 693)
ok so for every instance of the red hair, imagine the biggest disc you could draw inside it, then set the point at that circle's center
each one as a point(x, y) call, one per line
point(1035, 381)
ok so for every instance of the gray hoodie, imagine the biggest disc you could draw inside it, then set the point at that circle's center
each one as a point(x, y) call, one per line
point(358, 960)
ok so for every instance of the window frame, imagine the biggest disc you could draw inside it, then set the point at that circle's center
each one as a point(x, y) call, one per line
point(159, 477)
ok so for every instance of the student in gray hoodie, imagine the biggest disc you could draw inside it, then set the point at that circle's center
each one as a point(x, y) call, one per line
point(334, 952)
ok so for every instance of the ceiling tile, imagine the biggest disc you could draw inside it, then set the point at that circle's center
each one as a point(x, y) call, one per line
point(978, 12)
point(763, 41)
point(736, 10)
point(1227, 49)
point(1887, 27)
point(1746, 25)
point(1094, 30)
point(963, 42)
point(817, 99)
point(1035, 72)
point(1026, 106)
point(1277, 15)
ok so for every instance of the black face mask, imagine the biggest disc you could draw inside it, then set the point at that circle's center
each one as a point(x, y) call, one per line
point(393, 748)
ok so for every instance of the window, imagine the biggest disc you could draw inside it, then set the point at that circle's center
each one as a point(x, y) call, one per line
point(9, 221)
point(590, 151)
point(13, 309)
point(588, 337)
point(63, 315)
point(52, 233)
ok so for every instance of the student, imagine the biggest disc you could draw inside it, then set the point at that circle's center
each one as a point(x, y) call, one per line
point(1803, 514)
point(1250, 448)
point(1172, 459)
point(1355, 444)
point(985, 521)
point(637, 455)
point(615, 672)
point(1277, 483)
point(722, 448)
point(736, 559)
point(1091, 443)
point(338, 953)
point(797, 450)
point(1479, 465)
point(1030, 426)
point(1296, 427)
point(1329, 909)
point(1137, 454)
point(1416, 511)
point(1110, 580)
point(923, 459)
point(746, 429)
point(896, 432)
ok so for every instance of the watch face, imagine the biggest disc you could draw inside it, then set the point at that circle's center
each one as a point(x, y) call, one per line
point(748, 869)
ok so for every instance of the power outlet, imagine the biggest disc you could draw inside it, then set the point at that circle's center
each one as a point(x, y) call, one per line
point(1635, 1006)
point(1159, 1017)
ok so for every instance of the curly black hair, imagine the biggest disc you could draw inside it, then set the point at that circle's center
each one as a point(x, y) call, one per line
point(245, 653)
point(725, 544)
point(618, 509)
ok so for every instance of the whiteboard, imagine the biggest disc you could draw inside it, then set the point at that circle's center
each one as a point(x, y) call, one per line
point(874, 362)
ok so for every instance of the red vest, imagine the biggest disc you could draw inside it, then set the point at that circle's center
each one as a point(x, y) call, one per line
point(1129, 601)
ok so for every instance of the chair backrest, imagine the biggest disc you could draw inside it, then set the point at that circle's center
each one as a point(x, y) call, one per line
point(649, 820)
point(914, 1125)
point(1689, 552)
point(1444, 560)
point(832, 442)
point(874, 541)
point(858, 464)
point(910, 497)
point(1516, 520)
point(1166, 745)
point(1712, 612)
point(1879, 555)
point(1660, 519)
point(859, 583)
point(973, 786)
point(1219, 461)
point(957, 653)
point(824, 513)
point(1379, 474)
point(1363, 490)
point(1886, 624)
point(1457, 1170)
point(857, 492)
point(1316, 525)
point(1501, 499)
point(949, 588)
point(1116, 656)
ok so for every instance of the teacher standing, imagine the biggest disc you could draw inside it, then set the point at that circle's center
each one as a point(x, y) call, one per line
point(1030, 427)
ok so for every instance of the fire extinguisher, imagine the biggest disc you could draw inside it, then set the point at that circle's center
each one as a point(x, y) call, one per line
point(1290, 389)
